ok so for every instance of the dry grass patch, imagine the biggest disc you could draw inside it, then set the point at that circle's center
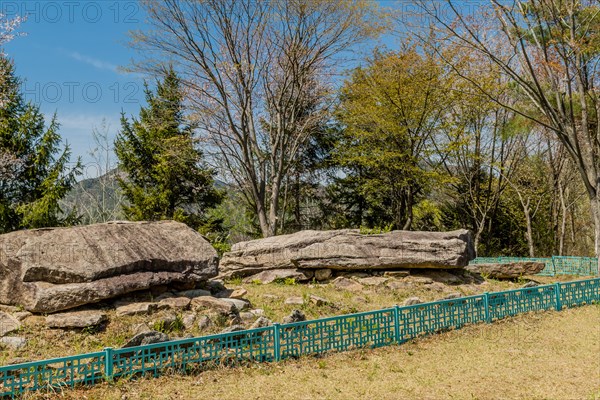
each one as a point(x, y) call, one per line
point(547, 355)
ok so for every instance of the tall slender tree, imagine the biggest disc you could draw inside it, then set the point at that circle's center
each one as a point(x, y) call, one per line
point(34, 172)
point(165, 174)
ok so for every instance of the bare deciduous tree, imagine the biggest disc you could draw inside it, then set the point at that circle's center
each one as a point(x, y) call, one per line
point(257, 74)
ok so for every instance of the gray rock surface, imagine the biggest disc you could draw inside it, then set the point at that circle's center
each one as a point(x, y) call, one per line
point(509, 270)
point(148, 337)
point(76, 319)
point(271, 276)
point(13, 342)
point(347, 249)
point(347, 284)
point(295, 316)
point(212, 303)
point(142, 308)
point(412, 301)
point(55, 269)
point(8, 324)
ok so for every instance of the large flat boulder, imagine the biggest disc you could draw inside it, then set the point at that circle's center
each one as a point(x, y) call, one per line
point(509, 270)
point(348, 249)
point(55, 269)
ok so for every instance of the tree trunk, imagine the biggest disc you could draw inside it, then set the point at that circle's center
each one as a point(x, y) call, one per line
point(529, 230)
point(563, 224)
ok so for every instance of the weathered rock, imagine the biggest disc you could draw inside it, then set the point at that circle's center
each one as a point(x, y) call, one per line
point(239, 304)
point(238, 293)
point(445, 277)
point(21, 315)
point(188, 320)
point(271, 276)
point(8, 324)
point(323, 274)
point(13, 342)
point(259, 312)
point(347, 249)
point(412, 301)
point(347, 284)
point(295, 316)
point(174, 303)
point(204, 322)
point(54, 269)
point(509, 270)
point(531, 284)
point(148, 337)
point(76, 319)
point(141, 328)
point(142, 308)
point(397, 274)
point(318, 301)
point(294, 300)
point(247, 316)
point(360, 299)
point(453, 295)
point(398, 285)
point(214, 304)
point(373, 280)
point(261, 322)
point(233, 328)
point(422, 280)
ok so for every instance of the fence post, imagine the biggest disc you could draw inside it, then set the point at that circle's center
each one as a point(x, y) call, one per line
point(397, 323)
point(108, 363)
point(486, 303)
point(557, 292)
point(276, 342)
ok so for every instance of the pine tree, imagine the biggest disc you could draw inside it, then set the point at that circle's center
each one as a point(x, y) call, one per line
point(165, 174)
point(34, 168)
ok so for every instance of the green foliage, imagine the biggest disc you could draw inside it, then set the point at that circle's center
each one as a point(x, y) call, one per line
point(376, 230)
point(34, 166)
point(166, 177)
point(286, 281)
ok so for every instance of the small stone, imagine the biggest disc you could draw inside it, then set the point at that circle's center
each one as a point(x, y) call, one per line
point(412, 301)
point(397, 274)
point(295, 316)
point(270, 276)
point(141, 328)
point(21, 315)
point(8, 324)
point(294, 300)
point(13, 342)
point(373, 280)
point(270, 296)
point(323, 274)
point(193, 293)
point(359, 299)
point(144, 308)
point(347, 284)
point(216, 285)
point(188, 320)
point(233, 328)
point(144, 338)
point(421, 280)
point(398, 285)
point(204, 323)
point(453, 295)
point(238, 293)
point(262, 322)
point(174, 303)
point(9, 309)
point(76, 319)
point(247, 316)
point(531, 284)
point(212, 303)
point(259, 312)
point(318, 301)
point(239, 304)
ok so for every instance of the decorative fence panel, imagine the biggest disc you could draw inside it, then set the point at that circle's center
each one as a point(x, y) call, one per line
point(556, 265)
point(273, 343)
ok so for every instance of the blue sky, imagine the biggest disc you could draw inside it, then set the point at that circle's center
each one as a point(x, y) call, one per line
point(70, 56)
point(69, 59)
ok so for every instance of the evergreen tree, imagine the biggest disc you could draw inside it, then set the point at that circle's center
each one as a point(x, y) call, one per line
point(34, 168)
point(165, 175)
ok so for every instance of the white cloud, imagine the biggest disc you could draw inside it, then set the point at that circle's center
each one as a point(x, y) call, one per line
point(94, 62)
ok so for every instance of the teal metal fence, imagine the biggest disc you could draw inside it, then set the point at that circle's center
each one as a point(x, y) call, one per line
point(385, 327)
point(556, 265)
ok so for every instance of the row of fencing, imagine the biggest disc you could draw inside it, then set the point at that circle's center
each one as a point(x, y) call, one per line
point(556, 265)
point(389, 326)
